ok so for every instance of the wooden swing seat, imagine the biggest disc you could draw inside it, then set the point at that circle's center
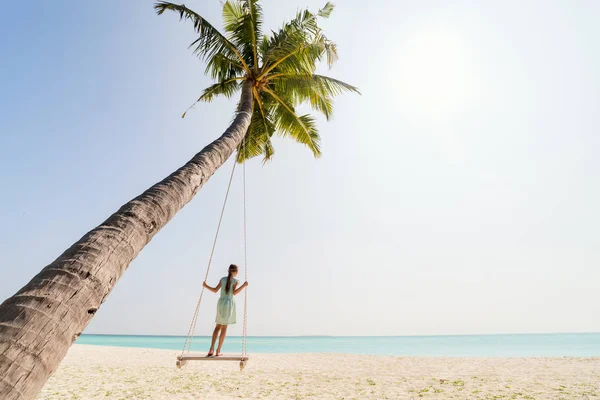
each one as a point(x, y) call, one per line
point(199, 357)
point(183, 359)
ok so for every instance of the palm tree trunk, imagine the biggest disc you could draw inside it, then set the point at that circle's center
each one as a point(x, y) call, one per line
point(41, 321)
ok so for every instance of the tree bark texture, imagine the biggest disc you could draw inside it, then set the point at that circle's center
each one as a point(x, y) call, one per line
point(41, 321)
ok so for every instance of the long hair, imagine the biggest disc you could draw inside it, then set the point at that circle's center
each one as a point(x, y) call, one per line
point(232, 270)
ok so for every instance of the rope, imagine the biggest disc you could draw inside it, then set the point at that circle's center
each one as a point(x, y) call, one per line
point(189, 338)
point(190, 335)
point(244, 329)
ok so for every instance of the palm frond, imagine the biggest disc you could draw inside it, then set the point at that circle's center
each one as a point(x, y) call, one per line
point(255, 13)
point(232, 15)
point(210, 41)
point(330, 86)
point(289, 40)
point(330, 52)
point(299, 58)
point(306, 21)
point(300, 128)
point(325, 12)
point(258, 137)
point(298, 47)
point(317, 90)
point(225, 88)
point(243, 21)
point(268, 128)
point(221, 68)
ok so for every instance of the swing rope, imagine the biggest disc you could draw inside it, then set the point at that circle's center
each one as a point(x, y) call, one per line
point(190, 336)
point(244, 329)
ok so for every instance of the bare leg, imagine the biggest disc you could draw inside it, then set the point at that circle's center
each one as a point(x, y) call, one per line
point(214, 338)
point(222, 338)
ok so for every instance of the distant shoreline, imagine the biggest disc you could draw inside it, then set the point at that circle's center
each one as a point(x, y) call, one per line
point(355, 336)
point(315, 353)
point(500, 345)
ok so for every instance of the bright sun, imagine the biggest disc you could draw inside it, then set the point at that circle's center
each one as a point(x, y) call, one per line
point(435, 74)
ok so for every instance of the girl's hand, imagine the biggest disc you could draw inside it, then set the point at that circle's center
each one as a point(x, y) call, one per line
point(204, 284)
point(245, 284)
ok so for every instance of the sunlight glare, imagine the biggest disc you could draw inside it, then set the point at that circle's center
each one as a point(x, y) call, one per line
point(435, 74)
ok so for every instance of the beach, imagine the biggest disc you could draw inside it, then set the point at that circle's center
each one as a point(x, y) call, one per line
point(94, 372)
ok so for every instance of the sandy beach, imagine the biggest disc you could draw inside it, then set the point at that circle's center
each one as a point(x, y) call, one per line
point(94, 372)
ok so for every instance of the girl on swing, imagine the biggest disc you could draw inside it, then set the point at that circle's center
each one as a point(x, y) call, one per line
point(225, 307)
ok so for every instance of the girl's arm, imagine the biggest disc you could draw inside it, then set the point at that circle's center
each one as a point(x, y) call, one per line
point(212, 289)
point(236, 291)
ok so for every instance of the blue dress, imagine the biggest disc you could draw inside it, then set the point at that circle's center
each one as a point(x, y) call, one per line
point(226, 305)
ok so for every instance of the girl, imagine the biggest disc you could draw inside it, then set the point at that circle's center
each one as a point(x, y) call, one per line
point(225, 306)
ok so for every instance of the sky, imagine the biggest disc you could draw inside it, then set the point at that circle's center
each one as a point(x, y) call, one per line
point(457, 195)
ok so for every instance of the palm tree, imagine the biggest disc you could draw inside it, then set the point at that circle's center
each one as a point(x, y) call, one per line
point(275, 73)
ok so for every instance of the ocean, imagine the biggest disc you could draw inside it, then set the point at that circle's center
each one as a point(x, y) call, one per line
point(517, 345)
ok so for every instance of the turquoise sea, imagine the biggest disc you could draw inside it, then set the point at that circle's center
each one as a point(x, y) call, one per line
point(517, 345)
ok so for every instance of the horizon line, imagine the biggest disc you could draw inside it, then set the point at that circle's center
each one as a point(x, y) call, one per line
point(352, 336)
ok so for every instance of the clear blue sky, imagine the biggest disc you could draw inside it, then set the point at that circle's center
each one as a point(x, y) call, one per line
point(458, 194)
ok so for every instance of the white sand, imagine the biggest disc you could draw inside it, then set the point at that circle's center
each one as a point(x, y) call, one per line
point(94, 372)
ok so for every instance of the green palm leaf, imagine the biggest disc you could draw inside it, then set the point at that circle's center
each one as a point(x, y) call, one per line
point(210, 42)
point(258, 138)
point(226, 88)
point(301, 128)
point(243, 21)
point(317, 90)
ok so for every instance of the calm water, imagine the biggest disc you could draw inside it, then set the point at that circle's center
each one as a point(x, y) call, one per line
point(545, 345)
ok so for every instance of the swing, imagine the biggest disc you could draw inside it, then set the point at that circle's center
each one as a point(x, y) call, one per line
point(243, 358)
